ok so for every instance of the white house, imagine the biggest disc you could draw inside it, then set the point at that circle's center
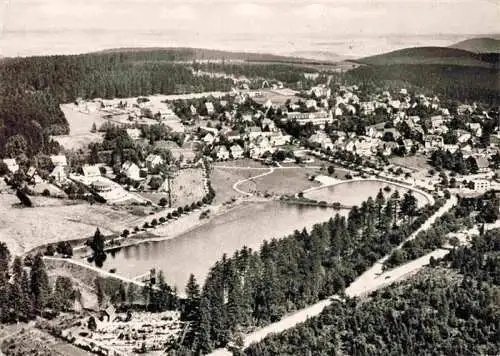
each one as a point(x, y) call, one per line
point(278, 139)
point(236, 151)
point(311, 104)
point(91, 171)
point(254, 132)
point(222, 152)
point(476, 129)
point(11, 164)
point(269, 124)
point(131, 170)
point(134, 134)
point(210, 107)
point(433, 142)
point(481, 185)
point(209, 139)
point(153, 161)
point(59, 160)
point(59, 174)
point(462, 136)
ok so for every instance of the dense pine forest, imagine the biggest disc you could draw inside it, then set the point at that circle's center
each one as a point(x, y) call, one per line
point(255, 288)
point(450, 309)
point(447, 81)
point(32, 88)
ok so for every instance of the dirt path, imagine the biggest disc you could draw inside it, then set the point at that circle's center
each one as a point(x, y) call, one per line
point(373, 279)
point(235, 185)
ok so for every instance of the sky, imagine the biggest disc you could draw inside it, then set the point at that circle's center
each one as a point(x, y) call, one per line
point(74, 26)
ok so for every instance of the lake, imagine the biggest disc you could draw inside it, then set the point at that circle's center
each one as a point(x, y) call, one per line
point(355, 192)
point(248, 224)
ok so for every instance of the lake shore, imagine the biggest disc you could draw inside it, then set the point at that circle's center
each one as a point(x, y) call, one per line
point(177, 227)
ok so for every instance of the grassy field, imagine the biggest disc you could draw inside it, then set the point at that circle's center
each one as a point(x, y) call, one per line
point(52, 220)
point(244, 163)
point(282, 181)
point(415, 163)
point(222, 180)
point(187, 187)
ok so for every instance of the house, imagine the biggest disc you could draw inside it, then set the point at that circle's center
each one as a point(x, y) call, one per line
point(11, 164)
point(209, 139)
point(483, 164)
point(134, 134)
point(253, 132)
point(481, 185)
point(59, 160)
point(232, 135)
point(408, 144)
point(222, 152)
point(91, 171)
point(269, 124)
point(131, 171)
point(153, 161)
point(433, 142)
point(210, 108)
point(193, 110)
point(476, 129)
point(236, 151)
point(183, 155)
point(33, 175)
point(321, 91)
point(463, 136)
point(338, 111)
point(278, 139)
point(436, 121)
point(311, 104)
point(59, 174)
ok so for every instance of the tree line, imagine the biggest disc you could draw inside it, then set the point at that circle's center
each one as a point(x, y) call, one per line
point(32, 89)
point(255, 288)
point(26, 292)
point(441, 311)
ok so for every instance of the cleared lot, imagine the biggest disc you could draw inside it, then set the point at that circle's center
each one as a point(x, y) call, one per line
point(52, 220)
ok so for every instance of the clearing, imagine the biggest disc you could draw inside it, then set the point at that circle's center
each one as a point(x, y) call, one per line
point(52, 220)
point(282, 181)
point(223, 179)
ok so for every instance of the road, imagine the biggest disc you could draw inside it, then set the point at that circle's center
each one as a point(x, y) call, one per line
point(373, 279)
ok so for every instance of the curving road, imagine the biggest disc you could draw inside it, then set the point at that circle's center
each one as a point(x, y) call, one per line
point(373, 279)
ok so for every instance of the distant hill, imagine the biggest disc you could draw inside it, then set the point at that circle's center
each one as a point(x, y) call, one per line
point(479, 45)
point(433, 55)
point(319, 55)
point(191, 54)
point(454, 73)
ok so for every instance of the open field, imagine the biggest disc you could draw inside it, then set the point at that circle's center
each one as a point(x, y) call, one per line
point(52, 220)
point(244, 163)
point(223, 179)
point(187, 187)
point(282, 181)
point(416, 163)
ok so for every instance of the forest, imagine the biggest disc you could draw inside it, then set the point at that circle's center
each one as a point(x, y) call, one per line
point(32, 88)
point(255, 288)
point(468, 212)
point(466, 84)
point(450, 308)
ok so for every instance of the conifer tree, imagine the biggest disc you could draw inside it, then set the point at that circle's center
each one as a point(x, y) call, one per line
point(40, 288)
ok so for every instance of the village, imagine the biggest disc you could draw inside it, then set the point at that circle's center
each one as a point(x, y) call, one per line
point(146, 145)
point(158, 155)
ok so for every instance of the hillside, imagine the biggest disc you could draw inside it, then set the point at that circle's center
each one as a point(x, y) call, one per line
point(479, 45)
point(433, 55)
point(453, 73)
